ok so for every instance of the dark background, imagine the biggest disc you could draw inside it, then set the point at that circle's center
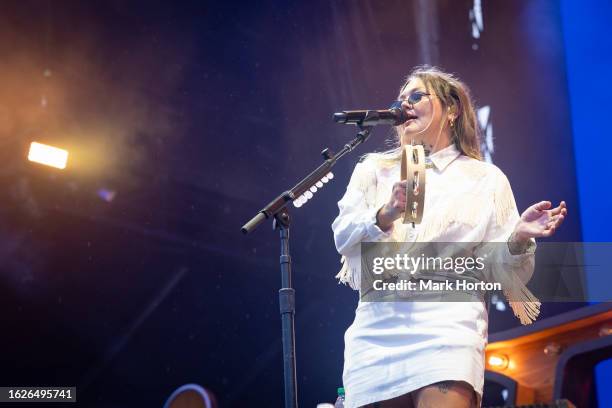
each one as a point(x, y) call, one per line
point(196, 114)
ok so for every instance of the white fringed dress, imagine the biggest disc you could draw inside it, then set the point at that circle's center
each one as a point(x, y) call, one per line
point(393, 348)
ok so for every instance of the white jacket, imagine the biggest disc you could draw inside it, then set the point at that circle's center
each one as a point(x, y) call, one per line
point(466, 200)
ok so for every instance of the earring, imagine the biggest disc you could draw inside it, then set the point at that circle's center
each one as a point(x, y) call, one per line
point(452, 123)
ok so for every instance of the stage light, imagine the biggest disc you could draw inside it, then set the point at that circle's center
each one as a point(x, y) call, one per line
point(605, 330)
point(553, 349)
point(48, 155)
point(498, 361)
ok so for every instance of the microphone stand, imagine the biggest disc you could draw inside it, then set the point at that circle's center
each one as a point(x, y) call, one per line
point(277, 209)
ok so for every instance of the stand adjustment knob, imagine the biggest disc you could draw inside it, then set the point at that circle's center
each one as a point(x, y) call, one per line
point(327, 154)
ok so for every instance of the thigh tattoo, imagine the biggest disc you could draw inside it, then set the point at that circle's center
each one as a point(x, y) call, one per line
point(444, 386)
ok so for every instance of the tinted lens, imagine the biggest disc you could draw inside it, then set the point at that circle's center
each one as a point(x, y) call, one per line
point(415, 97)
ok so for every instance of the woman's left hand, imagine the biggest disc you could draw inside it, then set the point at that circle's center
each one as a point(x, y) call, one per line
point(539, 221)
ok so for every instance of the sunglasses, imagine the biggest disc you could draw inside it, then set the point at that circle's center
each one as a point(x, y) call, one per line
point(415, 97)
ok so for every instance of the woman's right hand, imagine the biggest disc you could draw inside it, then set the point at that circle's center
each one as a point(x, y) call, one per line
point(394, 207)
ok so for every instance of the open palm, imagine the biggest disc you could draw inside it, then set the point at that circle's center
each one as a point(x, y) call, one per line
point(540, 220)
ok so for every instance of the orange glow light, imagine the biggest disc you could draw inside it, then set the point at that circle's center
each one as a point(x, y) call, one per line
point(498, 361)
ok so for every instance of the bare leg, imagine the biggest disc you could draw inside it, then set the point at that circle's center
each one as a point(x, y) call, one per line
point(451, 394)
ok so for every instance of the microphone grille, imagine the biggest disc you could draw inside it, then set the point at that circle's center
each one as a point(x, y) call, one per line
point(400, 114)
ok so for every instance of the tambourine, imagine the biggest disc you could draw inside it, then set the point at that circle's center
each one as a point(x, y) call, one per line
point(413, 170)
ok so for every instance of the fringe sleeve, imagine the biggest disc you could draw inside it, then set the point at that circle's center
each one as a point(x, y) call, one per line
point(512, 271)
point(356, 222)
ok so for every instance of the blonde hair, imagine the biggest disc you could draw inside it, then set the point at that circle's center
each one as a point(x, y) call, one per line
point(454, 95)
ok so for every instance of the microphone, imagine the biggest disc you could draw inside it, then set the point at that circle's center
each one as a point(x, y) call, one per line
point(393, 116)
